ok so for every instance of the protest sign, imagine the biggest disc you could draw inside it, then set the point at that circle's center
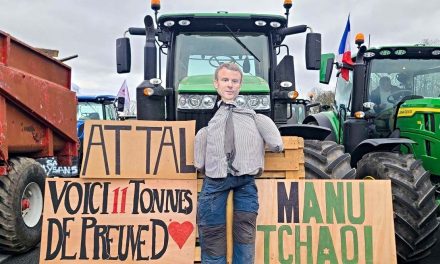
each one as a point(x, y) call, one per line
point(138, 149)
point(325, 221)
point(130, 220)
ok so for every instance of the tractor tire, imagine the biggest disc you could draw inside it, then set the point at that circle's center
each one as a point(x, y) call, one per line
point(21, 206)
point(414, 205)
point(326, 160)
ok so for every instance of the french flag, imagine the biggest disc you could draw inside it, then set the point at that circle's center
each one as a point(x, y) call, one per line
point(345, 50)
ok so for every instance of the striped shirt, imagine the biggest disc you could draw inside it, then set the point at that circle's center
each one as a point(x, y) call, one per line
point(251, 132)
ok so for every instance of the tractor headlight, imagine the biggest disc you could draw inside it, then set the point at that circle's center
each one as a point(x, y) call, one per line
point(208, 102)
point(203, 102)
point(265, 102)
point(241, 101)
point(255, 102)
point(195, 101)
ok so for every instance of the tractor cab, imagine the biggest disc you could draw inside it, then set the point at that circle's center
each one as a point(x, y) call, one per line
point(209, 40)
point(94, 107)
point(394, 77)
point(100, 107)
point(196, 44)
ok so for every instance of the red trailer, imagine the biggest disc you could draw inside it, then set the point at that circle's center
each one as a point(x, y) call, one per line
point(37, 119)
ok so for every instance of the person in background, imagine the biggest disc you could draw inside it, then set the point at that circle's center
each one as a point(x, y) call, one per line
point(380, 95)
point(230, 154)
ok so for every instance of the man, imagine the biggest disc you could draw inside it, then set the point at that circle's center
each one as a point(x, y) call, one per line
point(230, 152)
point(380, 95)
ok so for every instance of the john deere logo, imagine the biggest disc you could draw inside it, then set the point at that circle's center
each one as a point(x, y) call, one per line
point(405, 112)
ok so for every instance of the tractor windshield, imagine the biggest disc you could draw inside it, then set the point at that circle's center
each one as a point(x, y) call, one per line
point(199, 54)
point(95, 111)
point(390, 80)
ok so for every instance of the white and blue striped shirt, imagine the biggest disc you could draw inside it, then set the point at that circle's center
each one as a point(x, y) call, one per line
point(251, 132)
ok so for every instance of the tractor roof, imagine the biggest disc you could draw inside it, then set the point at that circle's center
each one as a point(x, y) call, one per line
point(402, 51)
point(215, 21)
point(97, 98)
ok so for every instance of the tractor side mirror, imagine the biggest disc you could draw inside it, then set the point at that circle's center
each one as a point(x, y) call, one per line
point(313, 51)
point(325, 73)
point(123, 55)
point(120, 104)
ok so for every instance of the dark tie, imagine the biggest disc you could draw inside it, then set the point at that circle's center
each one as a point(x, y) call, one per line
point(229, 137)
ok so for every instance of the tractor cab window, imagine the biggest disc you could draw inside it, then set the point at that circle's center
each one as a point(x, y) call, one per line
point(401, 78)
point(199, 54)
point(384, 87)
point(95, 111)
point(298, 113)
point(426, 81)
point(110, 112)
point(343, 92)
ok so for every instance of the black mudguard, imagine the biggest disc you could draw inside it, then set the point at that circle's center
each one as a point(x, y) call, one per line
point(305, 131)
point(378, 144)
point(322, 121)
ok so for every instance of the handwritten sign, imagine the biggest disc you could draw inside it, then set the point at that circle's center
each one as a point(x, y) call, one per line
point(138, 149)
point(109, 221)
point(325, 222)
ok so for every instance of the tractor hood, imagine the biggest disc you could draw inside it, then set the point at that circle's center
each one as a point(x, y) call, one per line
point(204, 84)
point(424, 105)
point(418, 120)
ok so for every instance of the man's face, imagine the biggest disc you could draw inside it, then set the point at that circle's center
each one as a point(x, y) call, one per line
point(228, 84)
point(385, 84)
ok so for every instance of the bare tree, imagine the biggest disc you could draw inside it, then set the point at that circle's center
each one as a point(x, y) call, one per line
point(324, 97)
point(431, 42)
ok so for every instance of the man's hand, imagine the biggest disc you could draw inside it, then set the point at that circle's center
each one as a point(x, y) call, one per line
point(380, 107)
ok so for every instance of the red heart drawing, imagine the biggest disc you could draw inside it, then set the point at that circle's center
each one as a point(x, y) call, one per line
point(180, 232)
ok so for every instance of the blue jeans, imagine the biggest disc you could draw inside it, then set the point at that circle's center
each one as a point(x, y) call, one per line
point(211, 218)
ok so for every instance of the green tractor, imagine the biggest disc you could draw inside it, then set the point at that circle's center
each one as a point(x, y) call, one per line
point(195, 44)
point(386, 116)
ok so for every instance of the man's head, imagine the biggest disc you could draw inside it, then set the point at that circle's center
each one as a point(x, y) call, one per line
point(385, 82)
point(227, 81)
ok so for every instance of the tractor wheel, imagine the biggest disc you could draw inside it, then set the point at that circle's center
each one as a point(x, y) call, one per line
point(326, 160)
point(21, 205)
point(414, 203)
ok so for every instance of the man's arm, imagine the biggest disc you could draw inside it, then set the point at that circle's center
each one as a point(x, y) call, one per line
point(270, 133)
point(200, 150)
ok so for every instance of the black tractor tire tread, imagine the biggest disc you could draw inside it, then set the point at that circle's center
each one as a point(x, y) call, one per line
point(326, 160)
point(414, 205)
point(426, 197)
point(422, 179)
point(315, 171)
point(405, 203)
point(416, 164)
point(10, 241)
point(338, 162)
point(316, 155)
point(400, 182)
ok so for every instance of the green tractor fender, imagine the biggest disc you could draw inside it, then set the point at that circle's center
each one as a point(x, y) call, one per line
point(376, 145)
point(305, 131)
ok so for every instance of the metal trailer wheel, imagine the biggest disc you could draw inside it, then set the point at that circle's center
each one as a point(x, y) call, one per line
point(326, 160)
point(414, 204)
point(21, 205)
